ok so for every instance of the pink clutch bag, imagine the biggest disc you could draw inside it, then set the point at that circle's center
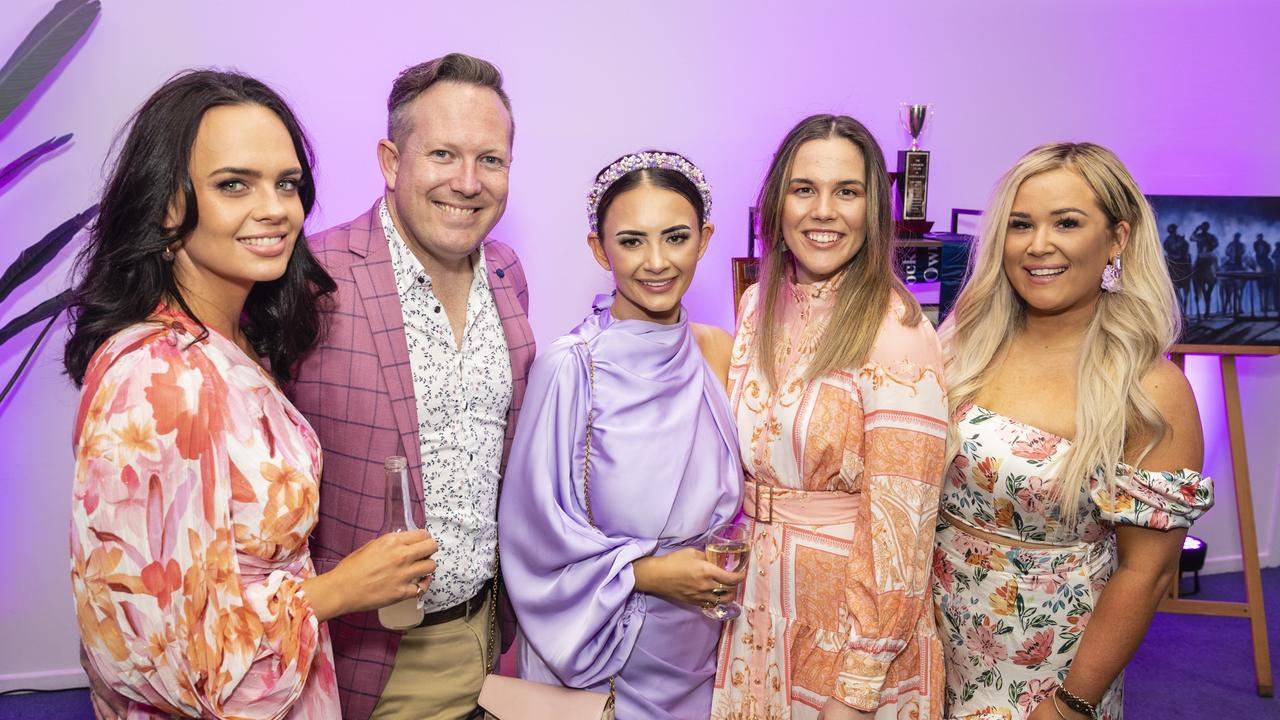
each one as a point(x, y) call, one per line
point(508, 698)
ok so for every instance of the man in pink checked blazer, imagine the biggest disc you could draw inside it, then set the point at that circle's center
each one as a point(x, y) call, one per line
point(425, 355)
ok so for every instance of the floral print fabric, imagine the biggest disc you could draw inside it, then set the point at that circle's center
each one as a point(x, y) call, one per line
point(841, 609)
point(1012, 617)
point(195, 492)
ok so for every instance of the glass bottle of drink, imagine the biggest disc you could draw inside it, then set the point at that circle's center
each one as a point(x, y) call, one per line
point(398, 517)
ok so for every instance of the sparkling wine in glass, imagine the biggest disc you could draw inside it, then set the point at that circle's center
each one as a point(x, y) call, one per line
point(404, 614)
point(727, 547)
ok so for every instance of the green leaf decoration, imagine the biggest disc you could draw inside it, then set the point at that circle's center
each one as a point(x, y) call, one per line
point(42, 50)
point(33, 259)
point(39, 313)
point(13, 169)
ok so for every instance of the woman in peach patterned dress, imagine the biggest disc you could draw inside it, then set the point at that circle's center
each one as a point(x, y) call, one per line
point(196, 479)
point(837, 390)
point(1060, 529)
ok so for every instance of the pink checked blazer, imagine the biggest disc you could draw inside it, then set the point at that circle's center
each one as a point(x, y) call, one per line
point(356, 389)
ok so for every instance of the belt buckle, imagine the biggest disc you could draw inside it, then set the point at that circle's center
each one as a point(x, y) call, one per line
point(768, 495)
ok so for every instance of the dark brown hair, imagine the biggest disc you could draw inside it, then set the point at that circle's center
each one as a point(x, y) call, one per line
point(121, 275)
point(454, 67)
point(870, 282)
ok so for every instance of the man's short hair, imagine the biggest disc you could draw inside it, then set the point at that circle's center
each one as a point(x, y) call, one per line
point(454, 67)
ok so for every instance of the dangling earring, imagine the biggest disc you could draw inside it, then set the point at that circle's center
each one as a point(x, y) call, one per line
point(1111, 275)
point(167, 255)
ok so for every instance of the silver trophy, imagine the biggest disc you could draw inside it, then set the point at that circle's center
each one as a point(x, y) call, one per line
point(912, 118)
point(911, 198)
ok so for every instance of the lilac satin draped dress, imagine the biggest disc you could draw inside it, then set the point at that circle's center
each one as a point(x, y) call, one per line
point(664, 471)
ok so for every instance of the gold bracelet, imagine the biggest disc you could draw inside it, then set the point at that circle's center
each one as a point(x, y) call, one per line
point(1076, 703)
point(1057, 708)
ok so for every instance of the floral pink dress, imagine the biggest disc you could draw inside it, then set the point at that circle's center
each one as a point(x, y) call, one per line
point(195, 492)
point(836, 602)
point(1012, 616)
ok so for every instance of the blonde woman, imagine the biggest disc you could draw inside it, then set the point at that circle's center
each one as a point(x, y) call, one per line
point(837, 391)
point(1076, 444)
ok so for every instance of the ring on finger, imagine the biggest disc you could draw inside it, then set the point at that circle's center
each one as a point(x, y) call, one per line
point(720, 591)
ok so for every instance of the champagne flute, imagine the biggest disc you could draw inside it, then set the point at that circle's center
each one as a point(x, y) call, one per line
point(727, 547)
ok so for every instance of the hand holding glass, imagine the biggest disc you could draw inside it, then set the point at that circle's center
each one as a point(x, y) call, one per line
point(726, 548)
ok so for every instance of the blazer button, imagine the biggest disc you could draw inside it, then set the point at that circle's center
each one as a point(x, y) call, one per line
point(500, 272)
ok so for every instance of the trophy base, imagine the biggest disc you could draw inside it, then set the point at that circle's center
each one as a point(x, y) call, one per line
point(912, 229)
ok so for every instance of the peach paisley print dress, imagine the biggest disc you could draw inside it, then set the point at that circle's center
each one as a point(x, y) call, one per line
point(195, 491)
point(839, 609)
point(1012, 617)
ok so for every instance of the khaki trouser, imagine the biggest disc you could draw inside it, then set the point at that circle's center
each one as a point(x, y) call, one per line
point(438, 671)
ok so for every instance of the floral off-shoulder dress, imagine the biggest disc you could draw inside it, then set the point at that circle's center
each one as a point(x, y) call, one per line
point(1012, 617)
point(196, 489)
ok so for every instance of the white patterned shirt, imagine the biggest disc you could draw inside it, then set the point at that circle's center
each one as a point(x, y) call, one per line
point(462, 397)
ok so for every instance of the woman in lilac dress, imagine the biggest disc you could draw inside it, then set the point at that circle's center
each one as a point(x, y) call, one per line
point(607, 572)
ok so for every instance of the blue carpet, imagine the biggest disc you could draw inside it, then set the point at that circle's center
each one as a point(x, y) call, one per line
point(1189, 668)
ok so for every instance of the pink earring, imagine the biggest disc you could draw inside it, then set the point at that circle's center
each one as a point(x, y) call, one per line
point(1111, 276)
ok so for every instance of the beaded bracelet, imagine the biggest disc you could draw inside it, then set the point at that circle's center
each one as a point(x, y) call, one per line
point(1076, 703)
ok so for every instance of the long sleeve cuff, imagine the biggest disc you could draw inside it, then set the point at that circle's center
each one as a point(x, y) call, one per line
point(861, 672)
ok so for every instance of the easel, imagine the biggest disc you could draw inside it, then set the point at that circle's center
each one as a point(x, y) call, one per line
point(1252, 607)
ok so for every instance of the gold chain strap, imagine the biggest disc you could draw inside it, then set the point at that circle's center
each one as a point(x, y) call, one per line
point(586, 497)
point(586, 463)
point(493, 612)
point(586, 471)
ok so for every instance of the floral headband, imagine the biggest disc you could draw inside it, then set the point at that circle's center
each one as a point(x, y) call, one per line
point(645, 161)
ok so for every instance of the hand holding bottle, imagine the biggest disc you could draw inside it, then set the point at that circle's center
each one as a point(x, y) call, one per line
point(388, 573)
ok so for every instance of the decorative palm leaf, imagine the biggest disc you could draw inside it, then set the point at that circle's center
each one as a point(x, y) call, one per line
point(41, 51)
point(10, 171)
point(50, 308)
point(33, 259)
point(44, 311)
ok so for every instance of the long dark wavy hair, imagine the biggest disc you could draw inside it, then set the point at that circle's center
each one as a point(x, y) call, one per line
point(122, 276)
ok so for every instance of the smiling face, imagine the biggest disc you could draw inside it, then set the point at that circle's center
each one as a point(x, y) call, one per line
point(651, 242)
point(447, 177)
point(245, 173)
point(824, 212)
point(1057, 242)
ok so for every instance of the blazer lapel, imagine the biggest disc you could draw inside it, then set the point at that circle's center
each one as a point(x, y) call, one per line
point(375, 279)
point(499, 262)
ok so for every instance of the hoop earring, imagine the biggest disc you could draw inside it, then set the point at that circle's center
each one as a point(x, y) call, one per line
point(1111, 275)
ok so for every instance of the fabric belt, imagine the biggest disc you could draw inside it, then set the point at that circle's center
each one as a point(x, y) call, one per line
point(770, 504)
point(464, 609)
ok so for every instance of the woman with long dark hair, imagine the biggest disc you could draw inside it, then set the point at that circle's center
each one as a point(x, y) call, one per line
point(196, 479)
point(837, 389)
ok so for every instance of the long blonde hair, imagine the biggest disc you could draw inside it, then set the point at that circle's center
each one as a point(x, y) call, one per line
point(870, 280)
point(1128, 333)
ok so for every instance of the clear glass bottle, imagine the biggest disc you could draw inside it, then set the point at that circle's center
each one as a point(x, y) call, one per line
point(398, 517)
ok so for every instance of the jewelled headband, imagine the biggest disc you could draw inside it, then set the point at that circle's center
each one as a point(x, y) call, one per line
point(646, 161)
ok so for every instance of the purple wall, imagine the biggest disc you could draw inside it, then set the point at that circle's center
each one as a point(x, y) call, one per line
point(1184, 91)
